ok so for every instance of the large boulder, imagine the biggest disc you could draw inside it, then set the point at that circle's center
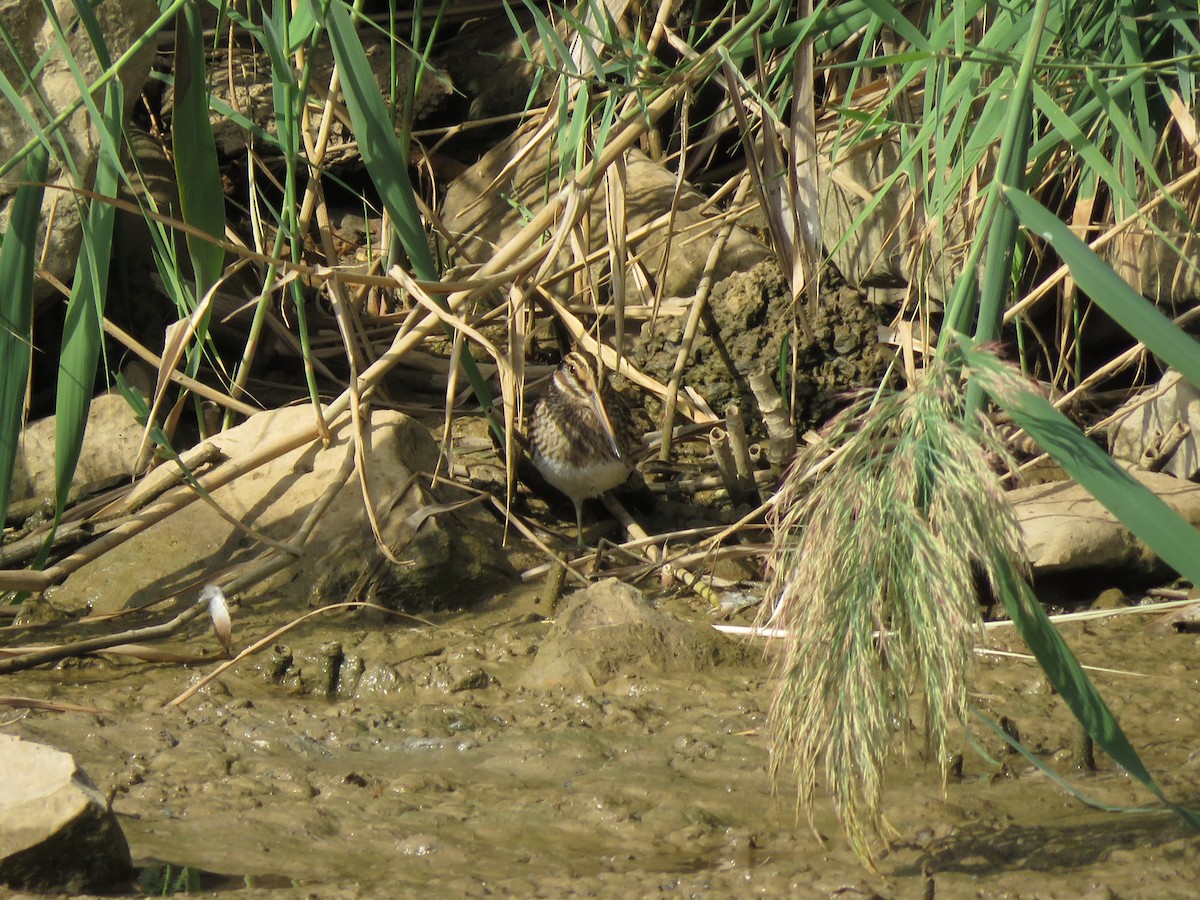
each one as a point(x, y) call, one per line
point(441, 556)
point(57, 833)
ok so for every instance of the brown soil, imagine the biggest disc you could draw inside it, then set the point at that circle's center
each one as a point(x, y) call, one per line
point(435, 773)
point(750, 315)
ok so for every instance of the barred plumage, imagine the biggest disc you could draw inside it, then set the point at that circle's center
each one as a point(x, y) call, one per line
point(583, 437)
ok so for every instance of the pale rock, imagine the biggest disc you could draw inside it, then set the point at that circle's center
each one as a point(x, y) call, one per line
point(609, 629)
point(446, 557)
point(110, 449)
point(56, 831)
point(1144, 421)
point(1066, 529)
point(30, 33)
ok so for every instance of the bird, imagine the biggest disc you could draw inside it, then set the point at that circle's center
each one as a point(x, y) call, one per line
point(582, 436)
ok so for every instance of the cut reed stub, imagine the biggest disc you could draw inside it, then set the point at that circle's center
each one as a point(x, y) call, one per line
point(781, 433)
point(739, 446)
point(718, 441)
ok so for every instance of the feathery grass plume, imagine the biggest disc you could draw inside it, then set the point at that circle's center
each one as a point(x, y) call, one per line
point(874, 577)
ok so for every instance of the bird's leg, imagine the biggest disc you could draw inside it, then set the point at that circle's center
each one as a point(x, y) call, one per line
point(579, 522)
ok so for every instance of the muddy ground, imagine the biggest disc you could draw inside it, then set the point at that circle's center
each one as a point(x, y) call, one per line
point(442, 777)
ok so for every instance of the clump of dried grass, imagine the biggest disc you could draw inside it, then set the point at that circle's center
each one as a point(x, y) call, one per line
point(874, 577)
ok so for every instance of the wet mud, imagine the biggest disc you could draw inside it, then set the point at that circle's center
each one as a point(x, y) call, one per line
point(434, 771)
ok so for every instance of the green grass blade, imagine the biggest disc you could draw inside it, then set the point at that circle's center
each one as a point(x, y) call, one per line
point(1108, 290)
point(984, 303)
point(558, 55)
point(1065, 785)
point(382, 153)
point(1066, 128)
point(18, 256)
point(1014, 150)
point(167, 12)
point(1140, 510)
point(899, 22)
point(198, 175)
point(83, 329)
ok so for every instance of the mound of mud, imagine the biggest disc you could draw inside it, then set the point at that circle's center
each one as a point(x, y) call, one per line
point(610, 629)
point(750, 317)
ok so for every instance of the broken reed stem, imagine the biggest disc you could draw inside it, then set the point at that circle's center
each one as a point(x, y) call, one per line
point(762, 477)
point(703, 289)
point(634, 545)
point(700, 587)
point(1155, 457)
point(1083, 750)
point(94, 645)
point(781, 433)
point(551, 590)
point(527, 532)
point(718, 440)
point(198, 388)
point(79, 525)
point(263, 642)
point(740, 448)
point(757, 456)
point(28, 547)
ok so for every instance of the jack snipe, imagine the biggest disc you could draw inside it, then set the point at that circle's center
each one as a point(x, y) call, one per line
point(582, 435)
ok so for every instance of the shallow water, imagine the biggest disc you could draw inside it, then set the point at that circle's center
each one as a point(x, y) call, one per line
point(651, 784)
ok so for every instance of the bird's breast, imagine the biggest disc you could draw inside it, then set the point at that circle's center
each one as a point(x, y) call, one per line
point(580, 482)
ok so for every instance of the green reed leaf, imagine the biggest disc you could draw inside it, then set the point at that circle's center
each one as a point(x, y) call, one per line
point(18, 256)
point(382, 153)
point(1067, 675)
point(386, 159)
point(1140, 510)
point(1108, 290)
point(83, 329)
point(201, 194)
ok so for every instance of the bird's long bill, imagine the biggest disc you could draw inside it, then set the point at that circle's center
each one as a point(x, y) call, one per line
point(609, 432)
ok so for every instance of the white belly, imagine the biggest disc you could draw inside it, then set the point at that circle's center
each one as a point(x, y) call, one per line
point(579, 483)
